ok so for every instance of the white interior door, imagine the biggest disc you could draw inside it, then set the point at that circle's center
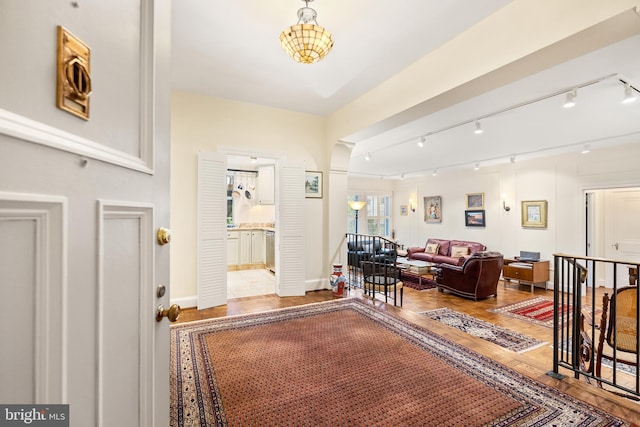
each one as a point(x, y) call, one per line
point(80, 202)
point(212, 230)
point(212, 235)
point(624, 238)
point(290, 224)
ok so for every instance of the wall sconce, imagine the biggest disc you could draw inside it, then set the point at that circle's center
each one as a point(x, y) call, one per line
point(411, 207)
point(504, 203)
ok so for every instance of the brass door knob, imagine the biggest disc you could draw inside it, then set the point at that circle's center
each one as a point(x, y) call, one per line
point(172, 313)
point(163, 235)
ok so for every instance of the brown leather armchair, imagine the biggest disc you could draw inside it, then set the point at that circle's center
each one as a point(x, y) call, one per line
point(476, 278)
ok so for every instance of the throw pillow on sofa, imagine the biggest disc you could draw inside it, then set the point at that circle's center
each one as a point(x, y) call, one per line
point(459, 251)
point(432, 248)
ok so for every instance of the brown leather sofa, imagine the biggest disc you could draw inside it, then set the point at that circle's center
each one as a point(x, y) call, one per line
point(445, 251)
point(476, 278)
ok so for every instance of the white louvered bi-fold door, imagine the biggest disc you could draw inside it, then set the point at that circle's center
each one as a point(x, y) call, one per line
point(290, 239)
point(212, 215)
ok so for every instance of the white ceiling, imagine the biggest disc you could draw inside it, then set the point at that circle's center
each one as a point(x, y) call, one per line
point(230, 49)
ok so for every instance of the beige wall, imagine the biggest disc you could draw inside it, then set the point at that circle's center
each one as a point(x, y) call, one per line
point(524, 37)
point(200, 123)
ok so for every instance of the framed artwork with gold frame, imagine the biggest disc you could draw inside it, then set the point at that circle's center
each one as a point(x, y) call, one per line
point(433, 209)
point(475, 201)
point(534, 214)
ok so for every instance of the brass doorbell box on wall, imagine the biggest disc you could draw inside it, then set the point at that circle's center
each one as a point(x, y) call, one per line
point(74, 75)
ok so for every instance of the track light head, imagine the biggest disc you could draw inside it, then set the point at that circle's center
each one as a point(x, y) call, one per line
point(367, 156)
point(421, 141)
point(435, 172)
point(585, 149)
point(476, 167)
point(630, 95)
point(570, 101)
point(478, 130)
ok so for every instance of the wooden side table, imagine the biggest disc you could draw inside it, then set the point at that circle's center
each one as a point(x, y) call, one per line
point(527, 272)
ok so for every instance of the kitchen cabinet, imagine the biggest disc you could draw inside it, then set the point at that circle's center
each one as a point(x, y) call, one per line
point(233, 247)
point(245, 247)
point(257, 247)
point(266, 185)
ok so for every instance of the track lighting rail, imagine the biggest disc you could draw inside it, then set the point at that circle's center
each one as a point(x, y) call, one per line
point(504, 110)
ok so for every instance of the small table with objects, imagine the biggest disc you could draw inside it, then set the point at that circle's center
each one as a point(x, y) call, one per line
point(417, 269)
point(532, 273)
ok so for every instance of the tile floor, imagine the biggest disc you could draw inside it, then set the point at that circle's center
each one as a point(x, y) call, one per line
point(248, 283)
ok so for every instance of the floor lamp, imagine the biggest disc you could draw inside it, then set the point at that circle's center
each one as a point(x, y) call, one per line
point(356, 206)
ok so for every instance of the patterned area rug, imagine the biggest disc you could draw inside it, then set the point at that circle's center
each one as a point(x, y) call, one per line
point(620, 367)
point(503, 337)
point(344, 362)
point(413, 281)
point(537, 310)
point(409, 280)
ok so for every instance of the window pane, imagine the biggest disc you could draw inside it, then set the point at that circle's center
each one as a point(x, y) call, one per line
point(376, 217)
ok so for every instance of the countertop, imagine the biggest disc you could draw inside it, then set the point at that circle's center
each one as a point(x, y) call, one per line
point(265, 227)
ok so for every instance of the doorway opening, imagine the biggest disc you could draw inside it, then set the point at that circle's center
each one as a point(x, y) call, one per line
point(251, 218)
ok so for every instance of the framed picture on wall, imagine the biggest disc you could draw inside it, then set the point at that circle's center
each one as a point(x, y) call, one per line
point(475, 200)
point(474, 218)
point(534, 214)
point(313, 184)
point(433, 209)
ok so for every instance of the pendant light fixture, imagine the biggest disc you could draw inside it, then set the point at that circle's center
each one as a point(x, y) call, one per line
point(306, 42)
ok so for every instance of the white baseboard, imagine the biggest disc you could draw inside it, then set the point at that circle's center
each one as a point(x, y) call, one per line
point(186, 302)
point(317, 285)
point(310, 285)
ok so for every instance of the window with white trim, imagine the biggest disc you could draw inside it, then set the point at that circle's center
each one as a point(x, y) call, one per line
point(374, 218)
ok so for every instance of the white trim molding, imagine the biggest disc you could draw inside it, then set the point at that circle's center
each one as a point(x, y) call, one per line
point(50, 328)
point(21, 127)
point(143, 213)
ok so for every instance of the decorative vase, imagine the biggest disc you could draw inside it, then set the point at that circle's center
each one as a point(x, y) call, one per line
point(337, 281)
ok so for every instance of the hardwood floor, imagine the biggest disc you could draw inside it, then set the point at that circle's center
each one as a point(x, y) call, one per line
point(535, 363)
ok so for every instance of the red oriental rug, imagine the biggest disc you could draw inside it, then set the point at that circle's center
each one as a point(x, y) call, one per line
point(537, 310)
point(415, 281)
point(409, 280)
point(345, 362)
